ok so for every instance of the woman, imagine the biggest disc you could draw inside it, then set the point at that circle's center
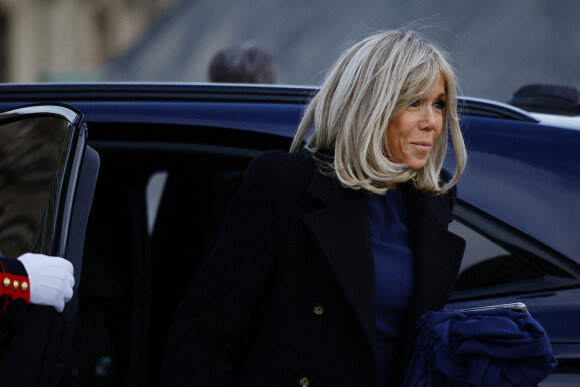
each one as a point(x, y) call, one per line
point(329, 254)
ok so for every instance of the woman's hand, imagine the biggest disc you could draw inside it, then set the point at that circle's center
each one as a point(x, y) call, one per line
point(51, 279)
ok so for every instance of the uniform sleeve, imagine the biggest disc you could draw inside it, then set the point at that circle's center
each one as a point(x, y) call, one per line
point(219, 301)
point(14, 283)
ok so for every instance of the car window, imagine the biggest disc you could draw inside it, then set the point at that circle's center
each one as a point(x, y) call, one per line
point(499, 259)
point(32, 157)
point(485, 263)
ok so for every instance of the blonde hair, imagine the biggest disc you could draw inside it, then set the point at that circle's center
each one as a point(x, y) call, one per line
point(373, 82)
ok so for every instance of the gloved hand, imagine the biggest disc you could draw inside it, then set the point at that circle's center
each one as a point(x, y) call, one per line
point(51, 279)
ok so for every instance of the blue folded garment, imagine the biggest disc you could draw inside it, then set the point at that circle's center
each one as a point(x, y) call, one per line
point(487, 348)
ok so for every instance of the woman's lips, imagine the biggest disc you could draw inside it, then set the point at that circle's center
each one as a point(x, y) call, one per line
point(423, 145)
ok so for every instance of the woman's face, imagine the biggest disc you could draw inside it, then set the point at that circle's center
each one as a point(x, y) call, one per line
point(412, 134)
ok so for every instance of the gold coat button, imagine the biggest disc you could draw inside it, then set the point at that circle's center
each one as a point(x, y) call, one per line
point(24, 286)
point(6, 282)
point(318, 310)
point(304, 382)
point(16, 285)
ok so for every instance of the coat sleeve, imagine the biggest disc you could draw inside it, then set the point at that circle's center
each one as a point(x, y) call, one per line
point(218, 304)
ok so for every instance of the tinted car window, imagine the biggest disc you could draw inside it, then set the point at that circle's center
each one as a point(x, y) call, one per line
point(499, 259)
point(485, 263)
point(32, 155)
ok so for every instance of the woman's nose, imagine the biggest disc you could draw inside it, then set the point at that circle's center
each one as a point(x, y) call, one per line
point(428, 118)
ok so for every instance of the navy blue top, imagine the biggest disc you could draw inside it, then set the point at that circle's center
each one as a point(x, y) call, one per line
point(393, 260)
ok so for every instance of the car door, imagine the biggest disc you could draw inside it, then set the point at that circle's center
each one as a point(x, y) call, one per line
point(47, 180)
point(502, 265)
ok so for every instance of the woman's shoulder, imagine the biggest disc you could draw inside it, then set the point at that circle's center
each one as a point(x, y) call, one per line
point(278, 161)
point(445, 175)
point(444, 202)
point(287, 157)
point(439, 204)
point(287, 171)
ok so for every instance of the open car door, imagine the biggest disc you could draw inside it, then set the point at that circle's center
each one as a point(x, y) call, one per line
point(47, 180)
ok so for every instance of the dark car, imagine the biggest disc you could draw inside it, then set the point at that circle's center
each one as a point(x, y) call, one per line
point(171, 157)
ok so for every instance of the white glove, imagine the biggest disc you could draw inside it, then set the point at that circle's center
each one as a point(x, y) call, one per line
point(51, 279)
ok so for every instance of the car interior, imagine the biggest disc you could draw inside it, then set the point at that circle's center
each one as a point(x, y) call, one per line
point(156, 213)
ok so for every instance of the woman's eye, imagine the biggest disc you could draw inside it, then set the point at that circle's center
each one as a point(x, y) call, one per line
point(416, 103)
point(440, 104)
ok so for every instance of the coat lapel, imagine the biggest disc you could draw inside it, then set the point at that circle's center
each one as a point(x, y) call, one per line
point(340, 228)
point(437, 252)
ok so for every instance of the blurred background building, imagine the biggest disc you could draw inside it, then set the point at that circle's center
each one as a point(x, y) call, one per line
point(497, 46)
point(69, 40)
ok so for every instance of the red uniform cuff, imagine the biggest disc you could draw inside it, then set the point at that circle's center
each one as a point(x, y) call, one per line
point(15, 286)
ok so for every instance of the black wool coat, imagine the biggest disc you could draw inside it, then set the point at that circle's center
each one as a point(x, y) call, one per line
point(287, 297)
